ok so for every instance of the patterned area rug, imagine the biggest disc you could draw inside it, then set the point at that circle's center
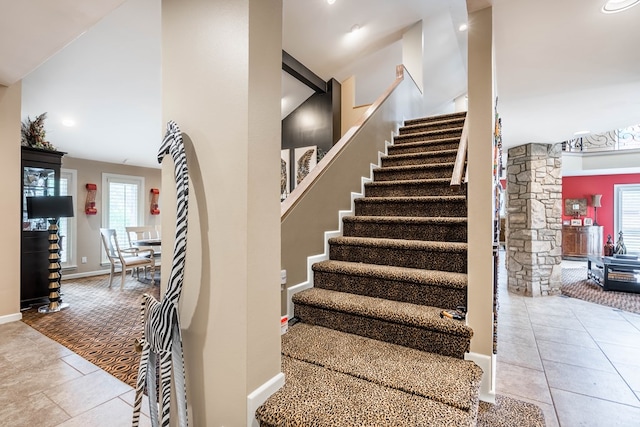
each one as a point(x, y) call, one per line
point(101, 323)
point(575, 284)
point(509, 412)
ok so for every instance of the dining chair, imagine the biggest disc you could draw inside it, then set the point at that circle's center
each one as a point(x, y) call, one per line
point(143, 233)
point(125, 258)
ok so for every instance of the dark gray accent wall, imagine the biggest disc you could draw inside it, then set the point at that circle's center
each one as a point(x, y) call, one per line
point(315, 122)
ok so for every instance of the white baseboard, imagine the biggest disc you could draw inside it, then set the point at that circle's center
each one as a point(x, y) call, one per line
point(65, 276)
point(488, 366)
point(291, 291)
point(260, 395)
point(8, 318)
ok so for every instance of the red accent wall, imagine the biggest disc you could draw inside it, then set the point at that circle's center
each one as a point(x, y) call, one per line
point(582, 187)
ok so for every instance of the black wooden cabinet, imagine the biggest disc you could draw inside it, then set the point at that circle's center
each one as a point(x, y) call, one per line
point(40, 177)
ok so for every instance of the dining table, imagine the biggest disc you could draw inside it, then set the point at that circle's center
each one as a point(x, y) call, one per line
point(152, 243)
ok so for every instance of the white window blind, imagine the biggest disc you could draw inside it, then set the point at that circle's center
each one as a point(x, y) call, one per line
point(627, 202)
point(67, 226)
point(122, 201)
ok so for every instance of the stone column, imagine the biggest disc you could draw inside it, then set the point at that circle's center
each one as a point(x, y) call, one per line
point(534, 220)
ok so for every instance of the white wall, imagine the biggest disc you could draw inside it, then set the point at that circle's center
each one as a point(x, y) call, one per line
point(412, 53)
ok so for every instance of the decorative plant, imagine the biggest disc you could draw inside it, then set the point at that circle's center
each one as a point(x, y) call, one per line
point(33, 133)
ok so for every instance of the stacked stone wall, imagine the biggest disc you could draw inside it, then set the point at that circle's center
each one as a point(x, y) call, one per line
point(534, 219)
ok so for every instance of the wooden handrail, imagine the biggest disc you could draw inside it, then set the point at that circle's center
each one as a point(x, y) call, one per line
point(461, 157)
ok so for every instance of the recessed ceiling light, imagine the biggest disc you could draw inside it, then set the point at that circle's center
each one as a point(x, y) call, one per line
point(581, 132)
point(356, 27)
point(331, 1)
point(463, 27)
point(613, 6)
point(68, 123)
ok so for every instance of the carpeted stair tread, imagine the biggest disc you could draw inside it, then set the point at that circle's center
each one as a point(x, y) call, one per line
point(430, 199)
point(401, 313)
point(428, 181)
point(416, 167)
point(319, 397)
point(429, 135)
point(433, 124)
point(416, 227)
point(423, 254)
point(450, 247)
point(405, 147)
point(441, 117)
point(434, 156)
point(412, 206)
point(412, 275)
point(444, 379)
point(411, 187)
point(422, 171)
point(412, 285)
point(408, 220)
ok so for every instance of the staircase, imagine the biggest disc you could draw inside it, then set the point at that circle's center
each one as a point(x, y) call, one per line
point(370, 347)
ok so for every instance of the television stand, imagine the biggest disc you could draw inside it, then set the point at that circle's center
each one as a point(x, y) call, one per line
point(615, 274)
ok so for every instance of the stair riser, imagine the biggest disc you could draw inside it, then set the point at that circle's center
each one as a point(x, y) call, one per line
point(431, 119)
point(401, 257)
point(426, 232)
point(436, 208)
point(406, 190)
point(422, 148)
point(383, 174)
point(436, 296)
point(426, 127)
point(440, 134)
point(419, 160)
point(408, 336)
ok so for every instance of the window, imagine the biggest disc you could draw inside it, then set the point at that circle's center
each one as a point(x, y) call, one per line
point(67, 226)
point(122, 204)
point(627, 215)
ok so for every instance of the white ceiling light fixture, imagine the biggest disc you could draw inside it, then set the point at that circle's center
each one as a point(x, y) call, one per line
point(464, 27)
point(614, 6)
point(356, 28)
point(68, 123)
point(331, 1)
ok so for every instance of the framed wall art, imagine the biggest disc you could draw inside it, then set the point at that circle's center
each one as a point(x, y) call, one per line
point(285, 182)
point(575, 207)
point(305, 159)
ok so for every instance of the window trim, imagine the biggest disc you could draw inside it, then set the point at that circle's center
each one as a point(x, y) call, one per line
point(72, 223)
point(618, 189)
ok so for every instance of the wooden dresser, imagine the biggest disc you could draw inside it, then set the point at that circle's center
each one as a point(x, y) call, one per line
point(581, 242)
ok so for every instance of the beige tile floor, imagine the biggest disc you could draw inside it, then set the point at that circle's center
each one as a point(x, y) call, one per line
point(44, 384)
point(579, 361)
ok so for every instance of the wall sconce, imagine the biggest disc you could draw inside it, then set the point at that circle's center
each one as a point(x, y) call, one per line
point(52, 208)
point(596, 200)
point(90, 204)
point(155, 193)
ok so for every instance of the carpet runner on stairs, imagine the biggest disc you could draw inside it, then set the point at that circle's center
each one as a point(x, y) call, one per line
point(371, 348)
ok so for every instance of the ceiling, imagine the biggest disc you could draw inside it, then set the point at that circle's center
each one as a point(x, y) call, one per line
point(561, 66)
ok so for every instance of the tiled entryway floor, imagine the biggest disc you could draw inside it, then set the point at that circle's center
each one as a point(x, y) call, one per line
point(44, 384)
point(579, 361)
